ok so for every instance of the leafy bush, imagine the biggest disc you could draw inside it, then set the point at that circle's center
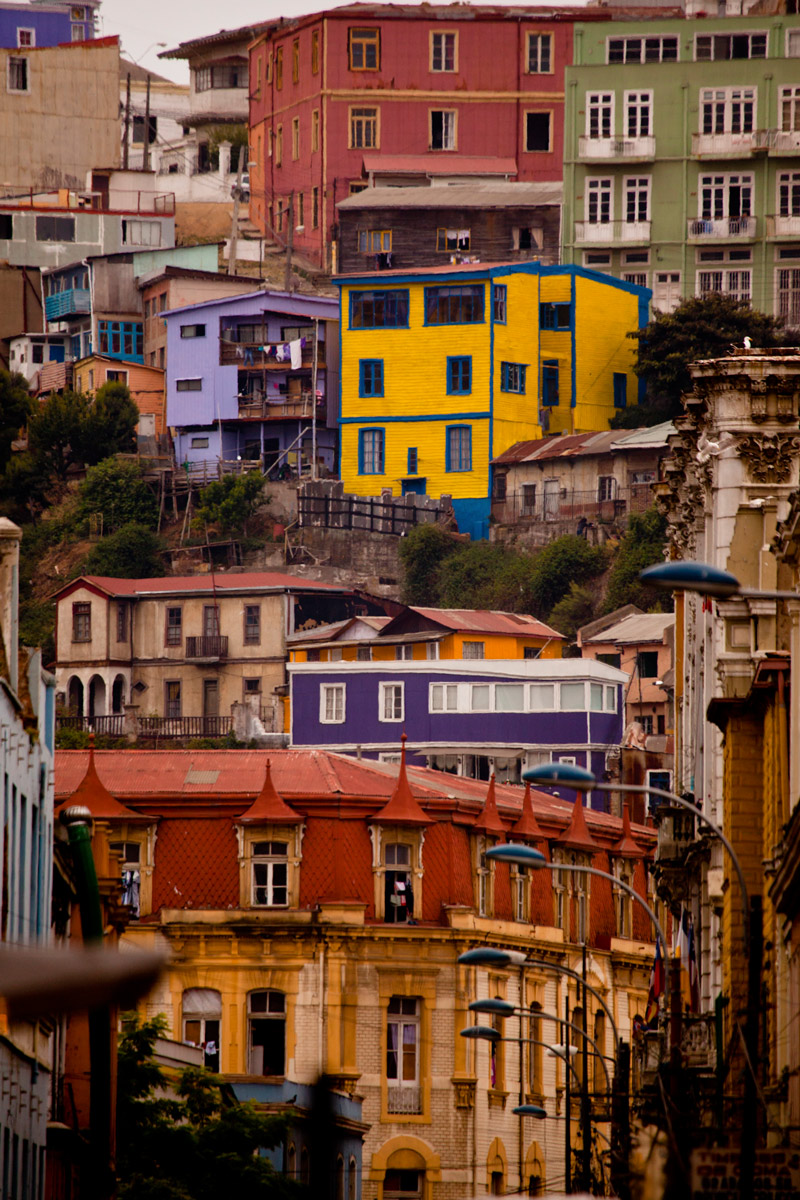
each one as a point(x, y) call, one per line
point(110, 426)
point(575, 609)
point(422, 552)
point(72, 739)
point(229, 501)
point(117, 489)
point(133, 552)
point(567, 560)
point(55, 433)
point(642, 545)
point(15, 408)
point(37, 623)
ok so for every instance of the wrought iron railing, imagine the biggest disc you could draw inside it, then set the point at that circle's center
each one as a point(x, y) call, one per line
point(406, 1099)
point(564, 504)
point(208, 646)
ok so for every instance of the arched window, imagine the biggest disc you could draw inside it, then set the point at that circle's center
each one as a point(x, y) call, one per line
point(352, 1179)
point(402, 1185)
point(266, 1033)
point(201, 1009)
point(340, 1178)
point(535, 1032)
point(291, 1161)
point(305, 1173)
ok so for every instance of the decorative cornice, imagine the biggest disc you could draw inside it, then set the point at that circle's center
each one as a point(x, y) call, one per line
point(769, 457)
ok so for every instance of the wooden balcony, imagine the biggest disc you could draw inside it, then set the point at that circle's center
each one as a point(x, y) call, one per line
point(249, 356)
point(265, 410)
point(207, 649)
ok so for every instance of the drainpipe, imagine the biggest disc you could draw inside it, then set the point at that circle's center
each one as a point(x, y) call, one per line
point(77, 820)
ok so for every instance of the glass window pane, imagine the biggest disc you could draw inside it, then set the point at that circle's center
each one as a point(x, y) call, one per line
point(542, 697)
point(596, 697)
point(480, 698)
point(572, 696)
point(509, 697)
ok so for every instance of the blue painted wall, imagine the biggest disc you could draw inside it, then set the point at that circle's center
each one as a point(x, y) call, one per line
point(51, 27)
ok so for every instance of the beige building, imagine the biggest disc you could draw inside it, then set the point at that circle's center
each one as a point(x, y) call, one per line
point(59, 113)
point(176, 654)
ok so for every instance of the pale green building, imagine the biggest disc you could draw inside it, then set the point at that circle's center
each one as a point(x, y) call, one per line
point(682, 157)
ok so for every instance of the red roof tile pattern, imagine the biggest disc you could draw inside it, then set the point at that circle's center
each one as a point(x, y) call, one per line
point(627, 846)
point(576, 836)
point(196, 864)
point(468, 620)
point(447, 874)
point(93, 794)
point(244, 581)
point(527, 826)
point(401, 807)
point(489, 820)
point(268, 806)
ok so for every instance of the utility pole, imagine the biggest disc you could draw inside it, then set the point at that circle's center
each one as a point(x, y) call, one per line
point(127, 125)
point(146, 135)
point(586, 1113)
point(287, 279)
point(750, 1109)
point(568, 1102)
point(621, 1123)
point(233, 245)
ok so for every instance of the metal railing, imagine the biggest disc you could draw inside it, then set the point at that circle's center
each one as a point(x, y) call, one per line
point(184, 727)
point(612, 231)
point(610, 148)
point(111, 725)
point(208, 470)
point(251, 355)
point(565, 505)
point(725, 227)
point(363, 512)
point(207, 646)
point(64, 304)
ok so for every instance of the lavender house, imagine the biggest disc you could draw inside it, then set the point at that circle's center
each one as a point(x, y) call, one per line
point(254, 377)
point(465, 717)
point(48, 23)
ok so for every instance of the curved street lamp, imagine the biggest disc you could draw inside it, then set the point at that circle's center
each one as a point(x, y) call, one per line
point(706, 580)
point(483, 1006)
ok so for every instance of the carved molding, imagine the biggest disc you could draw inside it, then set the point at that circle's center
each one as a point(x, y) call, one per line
point(769, 456)
point(464, 1093)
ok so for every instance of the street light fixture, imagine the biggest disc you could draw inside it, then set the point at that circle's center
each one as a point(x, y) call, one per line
point(706, 580)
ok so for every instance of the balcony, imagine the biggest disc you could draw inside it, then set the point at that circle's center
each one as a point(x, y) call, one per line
point(532, 505)
point(723, 145)
point(251, 356)
point(611, 233)
point(722, 229)
point(68, 303)
point(782, 227)
point(270, 410)
point(778, 141)
point(406, 1099)
point(206, 649)
point(609, 149)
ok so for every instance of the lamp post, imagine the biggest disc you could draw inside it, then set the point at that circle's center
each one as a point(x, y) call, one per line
point(707, 580)
point(483, 1006)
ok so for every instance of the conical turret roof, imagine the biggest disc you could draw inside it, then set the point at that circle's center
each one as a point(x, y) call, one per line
point(527, 826)
point(269, 807)
point(93, 794)
point(489, 821)
point(576, 836)
point(402, 808)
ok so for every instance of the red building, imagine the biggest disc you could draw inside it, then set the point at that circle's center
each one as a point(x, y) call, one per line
point(385, 94)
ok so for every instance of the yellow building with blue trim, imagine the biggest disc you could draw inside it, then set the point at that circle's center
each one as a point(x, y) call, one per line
point(443, 369)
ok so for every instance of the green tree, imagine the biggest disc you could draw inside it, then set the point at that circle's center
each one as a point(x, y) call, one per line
point(55, 433)
point(473, 576)
point(133, 552)
point(110, 424)
point(700, 327)
point(229, 501)
point(23, 488)
point(15, 408)
point(191, 1144)
point(118, 490)
point(567, 560)
point(642, 545)
point(573, 610)
point(422, 552)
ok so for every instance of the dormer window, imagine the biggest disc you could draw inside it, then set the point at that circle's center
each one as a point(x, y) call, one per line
point(398, 885)
point(270, 874)
point(485, 878)
point(571, 891)
point(397, 872)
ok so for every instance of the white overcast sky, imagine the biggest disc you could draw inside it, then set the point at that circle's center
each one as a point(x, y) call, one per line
point(141, 23)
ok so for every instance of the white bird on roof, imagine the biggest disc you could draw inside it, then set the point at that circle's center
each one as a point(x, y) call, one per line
point(748, 342)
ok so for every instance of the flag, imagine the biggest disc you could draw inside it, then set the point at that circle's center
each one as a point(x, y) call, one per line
point(684, 952)
point(657, 985)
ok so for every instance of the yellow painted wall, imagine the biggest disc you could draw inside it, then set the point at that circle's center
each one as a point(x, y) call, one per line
point(450, 647)
point(604, 318)
point(516, 417)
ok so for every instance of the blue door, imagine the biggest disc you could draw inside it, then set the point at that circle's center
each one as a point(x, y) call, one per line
point(415, 487)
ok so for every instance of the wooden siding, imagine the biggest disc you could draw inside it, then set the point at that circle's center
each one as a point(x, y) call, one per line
point(414, 234)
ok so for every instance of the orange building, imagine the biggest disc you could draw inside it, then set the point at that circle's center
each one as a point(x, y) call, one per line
point(146, 385)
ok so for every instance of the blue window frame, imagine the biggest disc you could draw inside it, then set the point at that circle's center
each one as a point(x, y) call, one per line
point(412, 467)
point(454, 305)
point(370, 377)
point(555, 316)
point(459, 375)
point(121, 339)
point(371, 446)
point(512, 377)
point(458, 452)
point(620, 389)
point(499, 299)
point(550, 382)
point(379, 309)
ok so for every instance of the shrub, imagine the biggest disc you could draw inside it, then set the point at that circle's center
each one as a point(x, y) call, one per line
point(133, 552)
point(117, 489)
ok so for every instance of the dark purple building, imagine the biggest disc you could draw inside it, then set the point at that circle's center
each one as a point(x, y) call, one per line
point(46, 23)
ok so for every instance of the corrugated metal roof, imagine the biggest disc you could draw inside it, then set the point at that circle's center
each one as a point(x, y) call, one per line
point(481, 621)
point(568, 445)
point(641, 627)
point(654, 435)
point(472, 195)
point(186, 49)
point(245, 581)
point(438, 164)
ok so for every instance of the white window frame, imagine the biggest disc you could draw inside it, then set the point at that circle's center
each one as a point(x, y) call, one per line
point(402, 1021)
point(562, 706)
point(330, 688)
point(535, 690)
point(270, 861)
point(665, 298)
point(713, 37)
point(728, 281)
point(26, 45)
point(642, 56)
point(787, 297)
point(637, 103)
point(432, 651)
point(449, 129)
point(537, 38)
point(731, 101)
point(793, 43)
point(597, 188)
point(440, 36)
point(600, 105)
point(388, 694)
point(449, 692)
point(724, 180)
point(789, 95)
point(638, 185)
point(11, 61)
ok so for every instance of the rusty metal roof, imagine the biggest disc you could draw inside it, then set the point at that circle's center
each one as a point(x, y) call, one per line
point(480, 194)
point(244, 581)
point(467, 620)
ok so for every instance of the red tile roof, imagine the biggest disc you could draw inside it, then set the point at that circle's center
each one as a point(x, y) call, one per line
point(196, 864)
point(576, 836)
point(489, 820)
point(227, 582)
point(627, 846)
point(527, 826)
point(268, 806)
point(95, 796)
